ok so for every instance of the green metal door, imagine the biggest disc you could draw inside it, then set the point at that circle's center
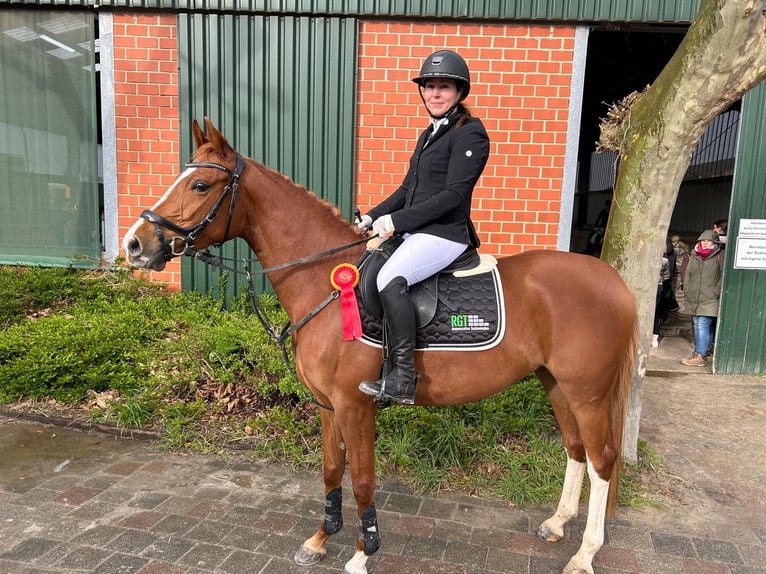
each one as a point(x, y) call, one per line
point(741, 337)
point(281, 90)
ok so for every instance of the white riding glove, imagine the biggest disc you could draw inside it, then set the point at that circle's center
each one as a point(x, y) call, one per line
point(383, 226)
point(364, 223)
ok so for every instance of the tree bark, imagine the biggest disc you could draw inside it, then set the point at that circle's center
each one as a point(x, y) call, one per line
point(721, 57)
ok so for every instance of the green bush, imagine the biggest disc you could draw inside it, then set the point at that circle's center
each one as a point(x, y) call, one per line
point(64, 356)
point(35, 290)
point(70, 334)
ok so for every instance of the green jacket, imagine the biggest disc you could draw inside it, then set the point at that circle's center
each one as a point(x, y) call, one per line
point(702, 283)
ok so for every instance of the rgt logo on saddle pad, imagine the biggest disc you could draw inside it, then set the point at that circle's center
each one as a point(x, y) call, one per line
point(468, 323)
point(469, 315)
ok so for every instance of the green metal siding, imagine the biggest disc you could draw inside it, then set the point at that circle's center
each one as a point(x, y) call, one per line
point(741, 337)
point(281, 90)
point(645, 11)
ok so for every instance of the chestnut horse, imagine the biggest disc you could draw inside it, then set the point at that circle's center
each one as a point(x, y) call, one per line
point(572, 321)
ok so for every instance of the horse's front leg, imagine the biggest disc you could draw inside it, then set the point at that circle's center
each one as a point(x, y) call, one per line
point(358, 426)
point(334, 463)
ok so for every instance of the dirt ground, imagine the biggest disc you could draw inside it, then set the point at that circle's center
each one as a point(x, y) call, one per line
point(711, 432)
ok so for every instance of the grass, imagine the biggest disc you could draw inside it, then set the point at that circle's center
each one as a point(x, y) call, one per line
point(128, 353)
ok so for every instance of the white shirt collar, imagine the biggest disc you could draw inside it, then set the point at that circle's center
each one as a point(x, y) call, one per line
point(436, 124)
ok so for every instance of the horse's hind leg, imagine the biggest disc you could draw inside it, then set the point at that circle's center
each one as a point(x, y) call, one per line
point(593, 537)
point(334, 463)
point(589, 444)
point(553, 529)
point(602, 456)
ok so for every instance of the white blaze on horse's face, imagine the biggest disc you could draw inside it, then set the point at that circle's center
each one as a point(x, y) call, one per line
point(186, 173)
point(138, 258)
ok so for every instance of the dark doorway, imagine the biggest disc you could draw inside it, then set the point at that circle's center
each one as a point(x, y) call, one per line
point(619, 61)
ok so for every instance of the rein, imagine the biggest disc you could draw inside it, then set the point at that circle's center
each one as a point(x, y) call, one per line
point(289, 328)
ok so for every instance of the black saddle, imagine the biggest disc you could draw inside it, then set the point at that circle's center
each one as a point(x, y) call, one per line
point(424, 295)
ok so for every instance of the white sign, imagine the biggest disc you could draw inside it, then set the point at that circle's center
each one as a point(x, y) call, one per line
point(750, 253)
point(751, 244)
point(755, 228)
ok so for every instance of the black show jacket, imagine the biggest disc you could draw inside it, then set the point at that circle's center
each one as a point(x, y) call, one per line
point(435, 196)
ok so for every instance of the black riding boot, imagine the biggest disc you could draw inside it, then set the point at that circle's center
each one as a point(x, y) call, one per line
point(399, 384)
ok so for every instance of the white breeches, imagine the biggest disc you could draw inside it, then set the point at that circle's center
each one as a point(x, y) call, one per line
point(418, 257)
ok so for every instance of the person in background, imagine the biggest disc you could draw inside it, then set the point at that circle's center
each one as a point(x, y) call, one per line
point(430, 210)
point(603, 216)
point(668, 303)
point(721, 227)
point(682, 260)
point(658, 311)
point(702, 287)
point(596, 238)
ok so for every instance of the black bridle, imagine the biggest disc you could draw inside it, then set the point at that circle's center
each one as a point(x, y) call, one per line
point(188, 234)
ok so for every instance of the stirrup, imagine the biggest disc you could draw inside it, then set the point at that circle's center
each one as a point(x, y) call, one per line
point(377, 390)
point(372, 388)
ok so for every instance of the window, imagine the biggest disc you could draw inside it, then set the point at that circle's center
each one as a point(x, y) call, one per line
point(49, 168)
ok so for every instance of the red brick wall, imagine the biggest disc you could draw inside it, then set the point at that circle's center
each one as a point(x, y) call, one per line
point(146, 107)
point(521, 77)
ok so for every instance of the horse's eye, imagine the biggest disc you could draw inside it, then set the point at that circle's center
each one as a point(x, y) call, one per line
point(200, 186)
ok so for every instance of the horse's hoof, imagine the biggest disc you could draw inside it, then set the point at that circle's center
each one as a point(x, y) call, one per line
point(572, 568)
point(547, 534)
point(357, 564)
point(306, 557)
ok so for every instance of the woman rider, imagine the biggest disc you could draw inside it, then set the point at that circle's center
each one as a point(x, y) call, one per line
point(430, 209)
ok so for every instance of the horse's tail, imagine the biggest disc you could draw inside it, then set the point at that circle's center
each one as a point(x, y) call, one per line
point(617, 414)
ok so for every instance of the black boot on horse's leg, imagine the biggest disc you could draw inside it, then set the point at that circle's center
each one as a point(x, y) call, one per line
point(399, 384)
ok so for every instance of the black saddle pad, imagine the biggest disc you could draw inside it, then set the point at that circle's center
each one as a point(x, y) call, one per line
point(470, 315)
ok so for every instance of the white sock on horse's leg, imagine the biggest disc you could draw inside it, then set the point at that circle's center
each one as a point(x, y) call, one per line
point(357, 564)
point(569, 503)
point(593, 537)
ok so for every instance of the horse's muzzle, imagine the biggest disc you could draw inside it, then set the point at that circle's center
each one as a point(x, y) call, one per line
point(135, 256)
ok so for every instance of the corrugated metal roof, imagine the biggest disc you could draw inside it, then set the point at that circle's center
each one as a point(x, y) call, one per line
point(618, 11)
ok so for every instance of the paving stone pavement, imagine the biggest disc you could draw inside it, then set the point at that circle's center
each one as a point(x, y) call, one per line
point(76, 501)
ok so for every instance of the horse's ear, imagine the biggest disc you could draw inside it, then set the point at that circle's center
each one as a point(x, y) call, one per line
point(214, 137)
point(199, 135)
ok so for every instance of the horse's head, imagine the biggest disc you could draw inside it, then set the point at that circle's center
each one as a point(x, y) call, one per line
point(196, 211)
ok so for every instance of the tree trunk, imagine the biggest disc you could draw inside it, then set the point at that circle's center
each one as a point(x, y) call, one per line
point(721, 57)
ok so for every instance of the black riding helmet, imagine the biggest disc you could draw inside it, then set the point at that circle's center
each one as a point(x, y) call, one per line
point(446, 64)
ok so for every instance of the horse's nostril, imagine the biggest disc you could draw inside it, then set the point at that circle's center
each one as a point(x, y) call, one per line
point(133, 246)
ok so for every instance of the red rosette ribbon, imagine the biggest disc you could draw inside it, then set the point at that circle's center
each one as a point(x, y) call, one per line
point(344, 278)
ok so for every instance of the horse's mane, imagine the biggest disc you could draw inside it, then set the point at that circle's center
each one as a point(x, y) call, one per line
point(278, 179)
point(282, 180)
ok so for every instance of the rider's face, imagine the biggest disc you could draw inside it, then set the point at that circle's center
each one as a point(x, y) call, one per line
point(439, 94)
